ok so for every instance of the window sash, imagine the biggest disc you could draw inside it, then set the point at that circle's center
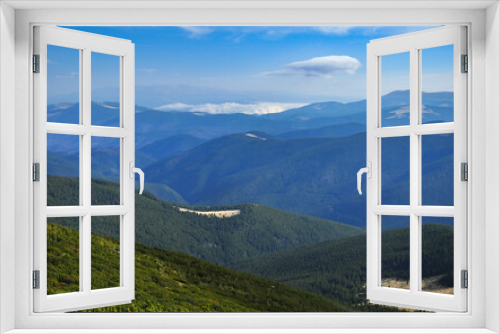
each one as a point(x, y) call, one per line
point(413, 43)
point(86, 297)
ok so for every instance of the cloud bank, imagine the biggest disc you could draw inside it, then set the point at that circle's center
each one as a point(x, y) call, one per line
point(319, 67)
point(258, 108)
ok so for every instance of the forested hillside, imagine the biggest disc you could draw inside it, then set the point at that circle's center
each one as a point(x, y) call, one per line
point(337, 269)
point(334, 269)
point(174, 282)
point(257, 230)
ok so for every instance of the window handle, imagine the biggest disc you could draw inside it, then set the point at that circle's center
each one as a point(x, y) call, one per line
point(368, 171)
point(139, 171)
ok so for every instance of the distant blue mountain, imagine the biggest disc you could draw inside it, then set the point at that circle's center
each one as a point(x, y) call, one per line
point(330, 131)
point(105, 165)
point(153, 125)
point(302, 160)
point(395, 110)
point(436, 107)
point(315, 176)
point(165, 147)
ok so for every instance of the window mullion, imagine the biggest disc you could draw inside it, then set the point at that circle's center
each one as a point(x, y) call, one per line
point(414, 171)
point(85, 167)
point(81, 227)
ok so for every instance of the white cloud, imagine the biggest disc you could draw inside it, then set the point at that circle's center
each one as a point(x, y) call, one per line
point(257, 108)
point(175, 106)
point(197, 32)
point(339, 30)
point(319, 67)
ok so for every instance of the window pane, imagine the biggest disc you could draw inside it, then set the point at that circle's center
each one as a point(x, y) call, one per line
point(105, 171)
point(105, 252)
point(437, 170)
point(437, 254)
point(395, 167)
point(63, 255)
point(63, 84)
point(395, 89)
point(63, 170)
point(437, 84)
point(105, 89)
point(395, 251)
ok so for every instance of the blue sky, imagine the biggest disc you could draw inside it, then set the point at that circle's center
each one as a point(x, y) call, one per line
point(182, 67)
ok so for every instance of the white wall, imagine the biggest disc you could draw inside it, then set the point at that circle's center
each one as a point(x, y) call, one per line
point(492, 164)
point(7, 160)
point(478, 121)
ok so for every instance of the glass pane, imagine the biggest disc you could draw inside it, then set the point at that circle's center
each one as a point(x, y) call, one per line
point(105, 188)
point(437, 84)
point(63, 255)
point(395, 89)
point(63, 170)
point(105, 89)
point(63, 85)
point(395, 251)
point(437, 254)
point(395, 168)
point(105, 252)
point(437, 170)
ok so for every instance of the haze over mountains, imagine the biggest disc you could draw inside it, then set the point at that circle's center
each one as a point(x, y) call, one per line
point(152, 124)
point(303, 160)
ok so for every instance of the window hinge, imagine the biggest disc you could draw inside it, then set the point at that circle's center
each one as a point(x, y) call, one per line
point(464, 171)
point(465, 64)
point(36, 279)
point(36, 172)
point(36, 63)
point(465, 279)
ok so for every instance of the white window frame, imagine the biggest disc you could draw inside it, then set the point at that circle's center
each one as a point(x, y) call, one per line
point(484, 102)
point(413, 44)
point(86, 44)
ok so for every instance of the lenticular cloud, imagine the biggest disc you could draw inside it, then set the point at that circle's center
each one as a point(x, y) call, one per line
point(319, 67)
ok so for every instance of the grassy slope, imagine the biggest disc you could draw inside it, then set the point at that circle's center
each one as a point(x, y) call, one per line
point(174, 282)
point(256, 231)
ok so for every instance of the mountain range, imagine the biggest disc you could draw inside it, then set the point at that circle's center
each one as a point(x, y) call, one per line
point(273, 195)
point(314, 176)
point(302, 160)
point(153, 125)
